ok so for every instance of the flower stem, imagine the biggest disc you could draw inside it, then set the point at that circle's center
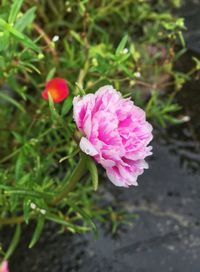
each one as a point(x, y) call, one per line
point(12, 220)
point(81, 77)
point(78, 172)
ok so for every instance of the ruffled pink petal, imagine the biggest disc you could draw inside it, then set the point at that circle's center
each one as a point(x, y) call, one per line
point(121, 177)
point(116, 134)
point(83, 107)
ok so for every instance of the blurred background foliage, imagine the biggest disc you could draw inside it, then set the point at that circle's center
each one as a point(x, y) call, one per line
point(131, 44)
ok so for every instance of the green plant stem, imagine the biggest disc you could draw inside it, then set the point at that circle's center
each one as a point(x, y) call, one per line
point(81, 77)
point(84, 70)
point(12, 220)
point(79, 171)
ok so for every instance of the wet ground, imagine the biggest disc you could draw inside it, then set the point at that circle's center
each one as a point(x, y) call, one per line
point(190, 10)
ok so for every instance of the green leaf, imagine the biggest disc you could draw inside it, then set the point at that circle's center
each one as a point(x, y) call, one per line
point(22, 192)
point(3, 24)
point(180, 23)
point(24, 39)
point(122, 58)
point(19, 165)
point(2, 62)
point(182, 40)
point(30, 67)
point(14, 242)
point(15, 8)
point(38, 230)
point(55, 116)
point(51, 73)
point(25, 20)
point(12, 101)
point(76, 151)
point(26, 209)
point(4, 40)
point(197, 62)
point(77, 37)
point(73, 228)
point(85, 216)
point(67, 105)
point(93, 172)
point(121, 45)
point(18, 137)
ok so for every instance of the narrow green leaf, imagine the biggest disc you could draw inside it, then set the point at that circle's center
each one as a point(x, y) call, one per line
point(22, 192)
point(26, 209)
point(14, 242)
point(2, 62)
point(12, 101)
point(19, 165)
point(38, 230)
point(30, 66)
point(51, 73)
point(67, 105)
point(182, 40)
point(55, 116)
point(121, 45)
point(93, 172)
point(76, 151)
point(15, 8)
point(10, 155)
point(3, 24)
point(25, 20)
point(197, 62)
point(77, 37)
point(18, 137)
point(71, 227)
point(24, 39)
point(4, 40)
point(85, 216)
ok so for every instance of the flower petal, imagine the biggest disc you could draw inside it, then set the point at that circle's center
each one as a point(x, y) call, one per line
point(83, 107)
point(87, 147)
point(4, 267)
point(58, 88)
point(116, 134)
point(121, 177)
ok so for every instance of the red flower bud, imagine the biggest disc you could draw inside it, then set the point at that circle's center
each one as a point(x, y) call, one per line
point(58, 88)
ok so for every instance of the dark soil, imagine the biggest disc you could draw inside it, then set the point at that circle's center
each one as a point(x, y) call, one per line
point(190, 10)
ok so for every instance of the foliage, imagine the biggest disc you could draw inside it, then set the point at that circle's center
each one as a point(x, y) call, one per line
point(129, 44)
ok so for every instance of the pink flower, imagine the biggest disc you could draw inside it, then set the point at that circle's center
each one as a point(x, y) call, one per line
point(4, 266)
point(58, 89)
point(116, 134)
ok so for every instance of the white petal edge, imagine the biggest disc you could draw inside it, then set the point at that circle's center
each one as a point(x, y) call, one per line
point(114, 179)
point(87, 147)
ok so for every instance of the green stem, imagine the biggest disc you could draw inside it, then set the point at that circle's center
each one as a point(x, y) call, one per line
point(12, 220)
point(81, 76)
point(79, 171)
